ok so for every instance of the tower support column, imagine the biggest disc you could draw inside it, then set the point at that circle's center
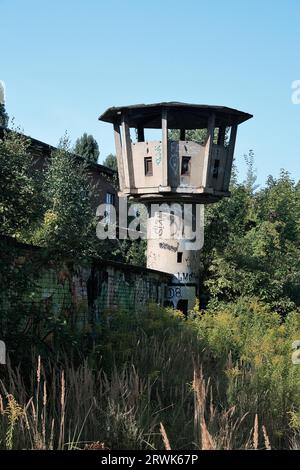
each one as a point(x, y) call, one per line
point(169, 251)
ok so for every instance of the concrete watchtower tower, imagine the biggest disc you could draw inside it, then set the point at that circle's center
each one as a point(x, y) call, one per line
point(175, 170)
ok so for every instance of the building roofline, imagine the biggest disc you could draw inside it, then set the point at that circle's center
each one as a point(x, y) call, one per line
point(146, 114)
point(97, 166)
point(131, 267)
point(96, 261)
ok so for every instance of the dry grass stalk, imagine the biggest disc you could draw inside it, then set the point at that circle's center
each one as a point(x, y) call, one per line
point(200, 394)
point(1, 405)
point(51, 435)
point(38, 377)
point(266, 438)
point(255, 432)
point(34, 415)
point(62, 404)
point(207, 440)
point(165, 437)
point(44, 414)
point(38, 372)
point(124, 398)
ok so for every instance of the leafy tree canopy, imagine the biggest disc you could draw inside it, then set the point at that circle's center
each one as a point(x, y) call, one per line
point(68, 216)
point(19, 195)
point(3, 116)
point(87, 147)
point(252, 243)
point(111, 162)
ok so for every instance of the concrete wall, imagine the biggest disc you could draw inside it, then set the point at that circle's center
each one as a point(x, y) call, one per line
point(82, 293)
point(89, 291)
point(118, 286)
point(141, 150)
point(178, 182)
point(163, 255)
point(217, 179)
point(179, 149)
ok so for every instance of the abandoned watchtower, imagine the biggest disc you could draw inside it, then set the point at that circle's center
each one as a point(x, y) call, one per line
point(189, 162)
point(182, 168)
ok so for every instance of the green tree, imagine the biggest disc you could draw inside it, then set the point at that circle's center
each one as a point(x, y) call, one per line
point(132, 252)
point(111, 162)
point(251, 172)
point(20, 210)
point(68, 225)
point(3, 116)
point(19, 198)
point(252, 244)
point(87, 147)
point(196, 135)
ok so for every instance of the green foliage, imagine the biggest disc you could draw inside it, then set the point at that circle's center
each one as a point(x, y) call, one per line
point(144, 369)
point(20, 317)
point(250, 272)
point(68, 226)
point(196, 135)
point(141, 371)
point(111, 162)
point(251, 174)
point(3, 116)
point(119, 331)
point(87, 147)
point(252, 243)
point(132, 252)
point(19, 198)
point(13, 411)
point(136, 254)
point(252, 345)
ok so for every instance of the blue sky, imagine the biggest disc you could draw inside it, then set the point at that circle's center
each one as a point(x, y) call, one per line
point(64, 62)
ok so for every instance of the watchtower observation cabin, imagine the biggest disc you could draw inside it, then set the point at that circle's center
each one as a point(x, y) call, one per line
point(175, 170)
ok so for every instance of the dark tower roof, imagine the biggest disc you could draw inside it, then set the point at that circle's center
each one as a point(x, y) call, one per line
point(180, 115)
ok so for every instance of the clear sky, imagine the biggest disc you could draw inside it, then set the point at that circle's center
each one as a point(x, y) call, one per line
point(64, 62)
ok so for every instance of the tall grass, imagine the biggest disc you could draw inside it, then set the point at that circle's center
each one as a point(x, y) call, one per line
point(157, 381)
point(75, 408)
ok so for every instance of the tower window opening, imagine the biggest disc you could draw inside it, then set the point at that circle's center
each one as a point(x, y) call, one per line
point(186, 165)
point(216, 169)
point(148, 166)
point(182, 134)
point(140, 134)
point(179, 257)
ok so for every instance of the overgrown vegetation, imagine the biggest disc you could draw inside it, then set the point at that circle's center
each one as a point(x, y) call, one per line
point(252, 244)
point(222, 378)
point(19, 191)
point(68, 219)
